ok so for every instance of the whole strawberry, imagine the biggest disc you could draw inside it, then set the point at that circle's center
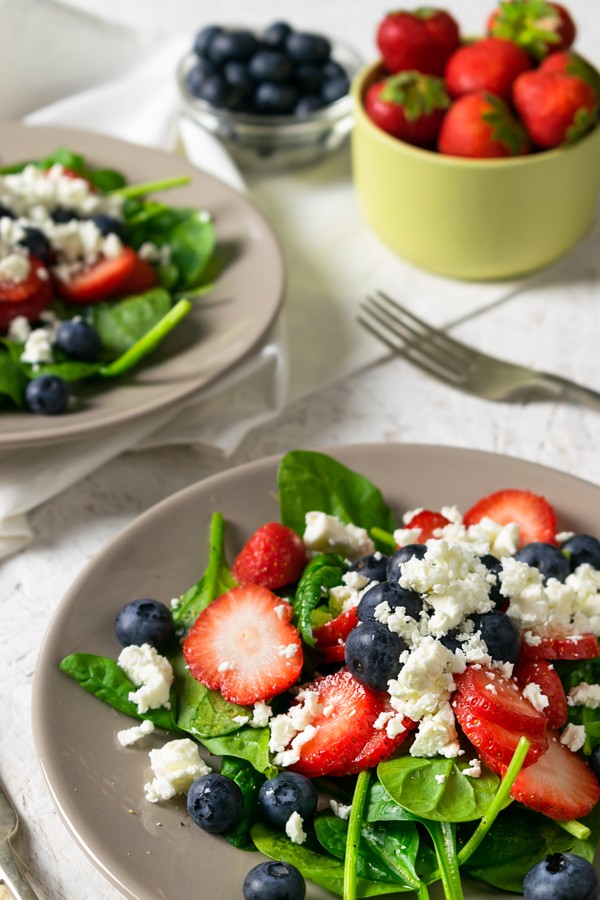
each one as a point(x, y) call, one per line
point(409, 106)
point(570, 63)
point(273, 557)
point(555, 108)
point(538, 26)
point(421, 40)
point(481, 126)
point(491, 64)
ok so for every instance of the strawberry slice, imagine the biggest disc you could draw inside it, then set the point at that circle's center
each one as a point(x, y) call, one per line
point(490, 695)
point(335, 632)
point(560, 784)
point(495, 744)
point(245, 646)
point(378, 748)
point(428, 521)
point(343, 727)
point(106, 278)
point(143, 277)
point(25, 298)
point(576, 646)
point(546, 677)
point(274, 556)
point(533, 513)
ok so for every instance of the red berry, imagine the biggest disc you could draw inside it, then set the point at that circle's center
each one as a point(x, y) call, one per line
point(555, 108)
point(481, 126)
point(491, 64)
point(409, 106)
point(25, 298)
point(494, 697)
point(421, 40)
point(429, 522)
point(536, 26)
point(546, 677)
point(533, 513)
point(274, 556)
point(106, 278)
point(577, 646)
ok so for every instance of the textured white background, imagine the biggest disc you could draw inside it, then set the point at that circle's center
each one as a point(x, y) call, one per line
point(46, 52)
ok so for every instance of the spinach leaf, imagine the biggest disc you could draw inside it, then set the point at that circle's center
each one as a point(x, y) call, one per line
point(148, 341)
point(322, 573)
point(123, 323)
point(200, 711)
point(103, 678)
point(397, 844)
point(68, 370)
point(249, 781)
point(308, 480)
point(12, 380)
point(332, 834)
point(572, 674)
point(411, 782)
point(247, 743)
point(102, 179)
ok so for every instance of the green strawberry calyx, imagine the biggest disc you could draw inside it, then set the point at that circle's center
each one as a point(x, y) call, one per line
point(533, 24)
point(506, 130)
point(577, 66)
point(583, 121)
point(418, 95)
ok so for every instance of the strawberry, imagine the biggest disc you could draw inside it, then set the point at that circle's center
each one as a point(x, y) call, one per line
point(579, 646)
point(244, 645)
point(560, 784)
point(568, 62)
point(343, 727)
point(490, 695)
point(429, 522)
point(378, 748)
point(409, 106)
point(331, 637)
point(274, 556)
point(142, 278)
point(546, 677)
point(480, 125)
point(494, 743)
point(555, 108)
point(533, 513)
point(421, 40)
point(104, 279)
point(25, 298)
point(491, 64)
point(536, 25)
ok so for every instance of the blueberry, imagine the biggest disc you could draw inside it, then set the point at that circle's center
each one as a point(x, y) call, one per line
point(204, 38)
point(109, 225)
point(285, 794)
point(394, 569)
point(332, 69)
point(545, 557)
point(5, 212)
point(274, 881)
point(270, 65)
point(145, 621)
point(37, 243)
point(304, 47)
point(216, 91)
point(450, 641)
point(276, 35)
point(215, 802)
point(372, 566)
point(309, 78)
point(493, 565)
point(334, 88)
point(236, 74)
point(372, 653)
point(500, 634)
point(62, 214)
point(232, 45)
point(275, 99)
point(391, 593)
point(197, 75)
point(47, 395)
point(582, 548)
point(562, 876)
point(78, 340)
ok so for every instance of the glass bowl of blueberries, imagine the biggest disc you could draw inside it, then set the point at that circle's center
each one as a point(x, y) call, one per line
point(277, 99)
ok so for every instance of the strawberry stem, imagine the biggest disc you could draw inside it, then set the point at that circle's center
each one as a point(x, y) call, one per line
point(577, 829)
point(150, 187)
point(497, 803)
point(148, 342)
point(384, 537)
point(353, 838)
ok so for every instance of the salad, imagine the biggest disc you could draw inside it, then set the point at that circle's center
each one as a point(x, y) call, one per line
point(383, 707)
point(94, 274)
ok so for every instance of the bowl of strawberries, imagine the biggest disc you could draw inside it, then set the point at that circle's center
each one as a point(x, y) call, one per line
point(478, 158)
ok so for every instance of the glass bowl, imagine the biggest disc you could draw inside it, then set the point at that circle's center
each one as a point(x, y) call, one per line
point(275, 143)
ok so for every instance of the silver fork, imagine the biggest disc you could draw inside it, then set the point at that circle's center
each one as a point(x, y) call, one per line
point(455, 363)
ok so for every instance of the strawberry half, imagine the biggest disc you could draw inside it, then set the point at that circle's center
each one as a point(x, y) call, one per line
point(104, 279)
point(533, 513)
point(428, 521)
point(490, 695)
point(560, 784)
point(577, 646)
point(25, 298)
point(546, 677)
point(274, 556)
point(343, 727)
point(245, 646)
point(330, 638)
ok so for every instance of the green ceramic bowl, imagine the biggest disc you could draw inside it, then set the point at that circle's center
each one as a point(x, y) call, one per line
point(472, 219)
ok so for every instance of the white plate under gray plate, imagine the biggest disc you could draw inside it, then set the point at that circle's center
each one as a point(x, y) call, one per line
point(96, 783)
point(223, 326)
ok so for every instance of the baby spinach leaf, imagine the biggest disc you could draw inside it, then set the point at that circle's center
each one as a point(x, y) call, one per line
point(383, 808)
point(397, 844)
point(249, 781)
point(332, 833)
point(308, 480)
point(247, 743)
point(12, 380)
point(148, 341)
point(102, 179)
point(68, 370)
point(321, 574)
point(103, 678)
point(200, 711)
point(121, 324)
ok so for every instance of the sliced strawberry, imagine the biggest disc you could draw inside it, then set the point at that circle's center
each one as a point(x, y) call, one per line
point(533, 513)
point(490, 695)
point(105, 279)
point(576, 646)
point(343, 727)
point(274, 556)
point(25, 298)
point(143, 277)
point(335, 632)
point(560, 784)
point(546, 677)
point(428, 522)
point(495, 744)
point(378, 748)
point(245, 646)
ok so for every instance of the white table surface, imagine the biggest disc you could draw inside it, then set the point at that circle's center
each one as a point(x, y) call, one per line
point(556, 327)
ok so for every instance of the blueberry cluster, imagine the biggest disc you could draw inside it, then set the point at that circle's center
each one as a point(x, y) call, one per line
point(280, 72)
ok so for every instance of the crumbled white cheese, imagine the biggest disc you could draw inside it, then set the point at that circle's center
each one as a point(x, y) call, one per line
point(288, 650)
point(261, 714)
point(340, 809)
point(294, 829)
point(573, 737)
point(175, 766)
point(328, 534)
point(19, 330)
point(584, 694)
point(533, 693)
point(14, 267)
point(38, 347)
point(440, 778)
point(436, 734)
point(130, 736)
point(226, 666)
point(473, 770)
point(150, 672)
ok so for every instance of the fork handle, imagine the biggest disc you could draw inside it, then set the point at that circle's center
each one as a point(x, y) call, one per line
point(570, 388)
point(12, 877)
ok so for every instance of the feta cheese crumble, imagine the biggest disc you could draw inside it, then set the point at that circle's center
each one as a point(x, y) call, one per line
point(328, 534)
point(294, 829)
point(175, 766)
point(130, 736)
point(584, 694)
point(150, 672)
point(573, 737)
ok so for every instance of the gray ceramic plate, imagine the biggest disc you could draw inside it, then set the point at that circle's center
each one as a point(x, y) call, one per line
point(222, 328)
point(93, 780)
